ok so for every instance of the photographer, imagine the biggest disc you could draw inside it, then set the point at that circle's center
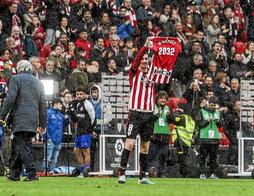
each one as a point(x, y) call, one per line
point(208, 121)
point(160, 138)
point(184, 127)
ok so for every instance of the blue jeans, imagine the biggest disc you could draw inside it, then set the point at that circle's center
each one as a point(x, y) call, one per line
point(52, 155)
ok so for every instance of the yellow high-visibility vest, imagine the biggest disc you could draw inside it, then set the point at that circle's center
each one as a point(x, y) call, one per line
point(185, 133)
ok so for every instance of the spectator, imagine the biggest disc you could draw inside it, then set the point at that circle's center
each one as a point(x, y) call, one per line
point(238, 69)
point(180, 34)
point(146, 12)
point(29, 14)
point(82, 42)
point(112, 68)
point(212, 69)
point(166, 21)
point(130, 51)
point(124, 28)
point(63, 41)
point(102, 119)
point(232, 95)
point(18, 42)
point(97, 53)
point(51, 22)
point(7, 68)
point(36, 63)
point(189, 28)
point(213, 29)
point(192, 93)
point(204, 46)
point(49, 73)
point(70, 53)
point(208, 122)
point(94, 72)
point(221, 86)
point(63, 28)
point(87, 22)
point(78, 77)
point(219, 56)
point(207, 85)
point(103, 24)
point(3, 36)
point(115, 52)
point(38, 32)
point(11, 18)
point(228, 24)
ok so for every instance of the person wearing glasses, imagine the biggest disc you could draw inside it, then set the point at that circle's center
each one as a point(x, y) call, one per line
point(208, 121)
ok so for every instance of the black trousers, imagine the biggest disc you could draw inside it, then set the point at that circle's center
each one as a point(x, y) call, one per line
point(182, 154)
point(233, 153)
point(21, 154)
point(211, 150)
point(94, 143)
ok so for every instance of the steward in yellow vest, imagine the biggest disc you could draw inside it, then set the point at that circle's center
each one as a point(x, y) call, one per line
point(182, 135)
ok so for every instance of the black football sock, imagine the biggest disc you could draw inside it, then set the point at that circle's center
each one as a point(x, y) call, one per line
point(143, 165)
point(124, 161)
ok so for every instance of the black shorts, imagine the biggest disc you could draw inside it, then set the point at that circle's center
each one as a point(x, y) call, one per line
point(140, 123)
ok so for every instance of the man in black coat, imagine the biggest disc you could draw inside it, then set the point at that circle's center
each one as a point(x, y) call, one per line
point(26, 99)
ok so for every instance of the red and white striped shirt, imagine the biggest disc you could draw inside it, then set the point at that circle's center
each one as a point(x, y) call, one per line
point(142, 95)
point(166, 50)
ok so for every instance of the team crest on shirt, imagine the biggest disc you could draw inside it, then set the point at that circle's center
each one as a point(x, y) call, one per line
point(145, 80)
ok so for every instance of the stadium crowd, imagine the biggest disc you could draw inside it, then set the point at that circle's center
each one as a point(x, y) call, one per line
point(74, 42)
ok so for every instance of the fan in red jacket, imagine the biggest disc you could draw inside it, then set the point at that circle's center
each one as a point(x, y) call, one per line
point(82, 42)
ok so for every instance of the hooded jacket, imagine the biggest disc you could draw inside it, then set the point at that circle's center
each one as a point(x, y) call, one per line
point(102, 117)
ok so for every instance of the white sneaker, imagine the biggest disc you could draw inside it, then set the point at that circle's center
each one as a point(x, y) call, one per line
point(122, 179)
point(213, 176)
point(145, 181)
point(202, 176)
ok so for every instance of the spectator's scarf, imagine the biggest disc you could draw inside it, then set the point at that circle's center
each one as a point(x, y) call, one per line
point(18, 45)
point(42, 13)
point(15, 21)
point(239, 17)
point(7, 67)
point(131, 15)
point(190, 11)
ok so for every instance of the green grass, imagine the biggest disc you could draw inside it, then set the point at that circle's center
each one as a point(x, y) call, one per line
point(66, 186)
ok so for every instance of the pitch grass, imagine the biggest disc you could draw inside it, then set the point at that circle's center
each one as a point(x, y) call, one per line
point(67, 186)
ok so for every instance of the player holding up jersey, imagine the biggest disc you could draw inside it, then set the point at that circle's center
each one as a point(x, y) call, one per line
point(141, 110)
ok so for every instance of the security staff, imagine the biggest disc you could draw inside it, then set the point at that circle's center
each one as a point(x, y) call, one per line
point(182, 135)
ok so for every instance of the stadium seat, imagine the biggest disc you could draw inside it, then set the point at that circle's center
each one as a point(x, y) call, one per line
point(240, 47)
point(45, 51)
point(173, 102)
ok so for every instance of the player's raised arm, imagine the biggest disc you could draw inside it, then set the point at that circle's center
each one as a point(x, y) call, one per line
point(136, 63)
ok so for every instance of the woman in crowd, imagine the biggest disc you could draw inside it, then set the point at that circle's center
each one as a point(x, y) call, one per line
point(189, 28)
point(213, 30)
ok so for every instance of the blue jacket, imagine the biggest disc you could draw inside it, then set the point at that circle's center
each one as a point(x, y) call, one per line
point(124, 31)
point(55, 123)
